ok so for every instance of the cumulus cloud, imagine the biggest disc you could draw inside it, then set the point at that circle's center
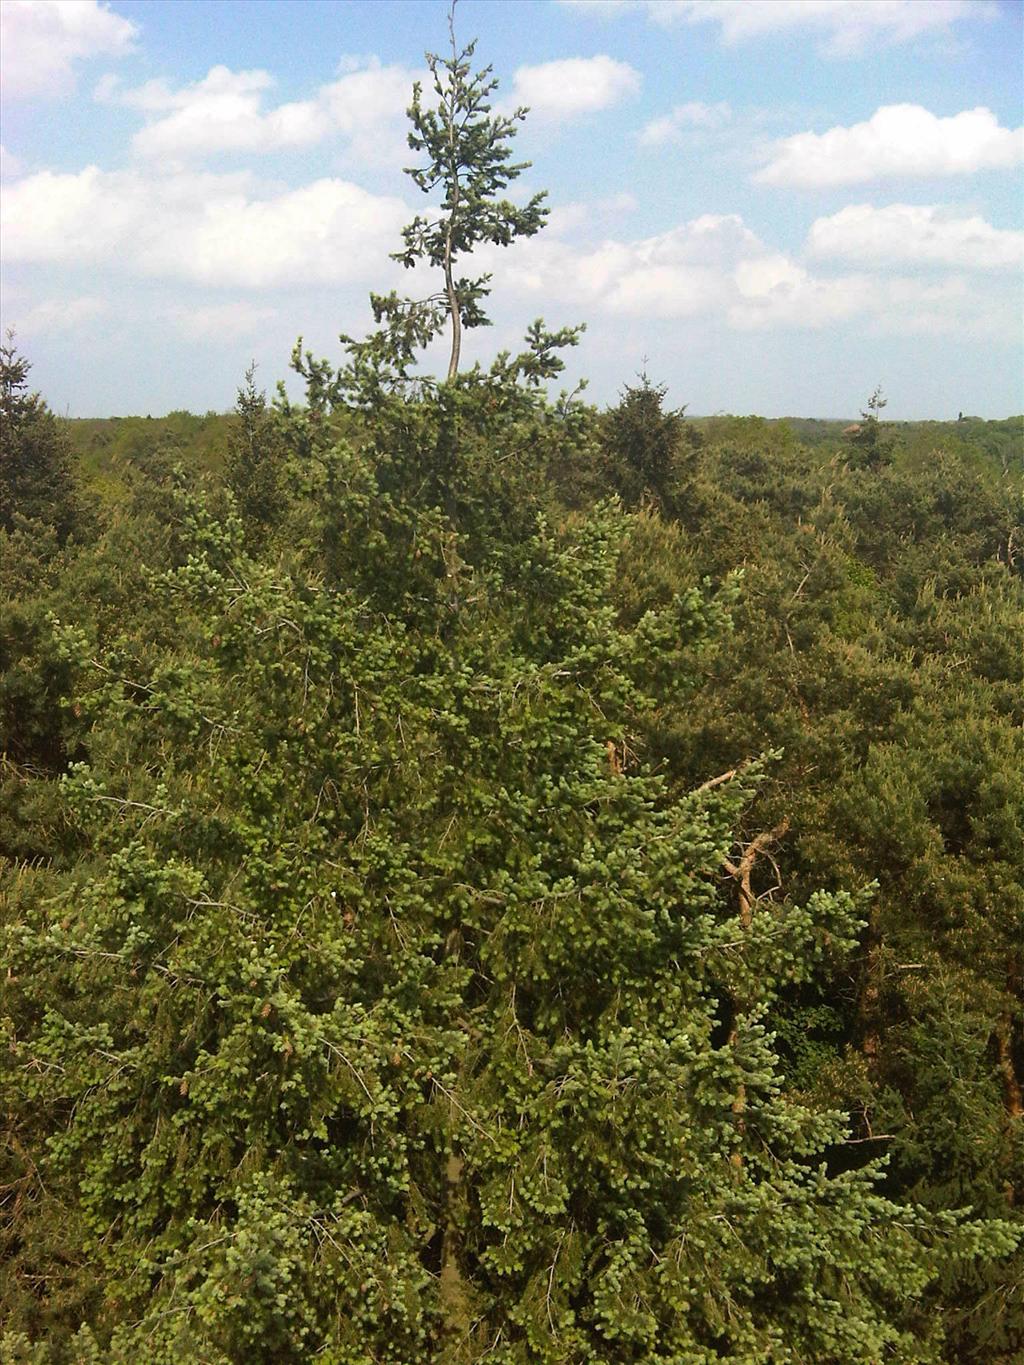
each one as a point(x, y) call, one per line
point(772, 290)
point(220, 321)
point(573, 86)
point(779, 293)
point(674, 274)
point(899, 140)
point(715, 267)
point(43, 40)
point(224, 231)
point(59, 315)
point(210, 229)
point(574, 216)
point(224, 112)
point(684, 118)
point(914, 234)
point(845, 28)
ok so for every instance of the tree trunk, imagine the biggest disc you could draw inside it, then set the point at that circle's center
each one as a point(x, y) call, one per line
point(1012, 1090)
point(453, 311)
point(456, 1317)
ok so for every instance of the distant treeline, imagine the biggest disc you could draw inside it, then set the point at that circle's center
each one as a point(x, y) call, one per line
point(107, 449)
point(494, 880)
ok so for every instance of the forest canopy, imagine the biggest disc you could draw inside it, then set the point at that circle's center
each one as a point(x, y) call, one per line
point(486, 878)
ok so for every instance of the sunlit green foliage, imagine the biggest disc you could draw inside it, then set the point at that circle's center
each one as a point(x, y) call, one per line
point(36, 481)
point(383, 1003)
point(879, 644)
point(467, 150)
point(487, 880)
point(255, 466)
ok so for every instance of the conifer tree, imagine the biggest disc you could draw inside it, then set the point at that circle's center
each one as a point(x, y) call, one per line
point(255, 457)
point(467, 150)
point(393, 1010)
point(388, 1002)
point(643, 441)
point(870, 439)
point(36, 479)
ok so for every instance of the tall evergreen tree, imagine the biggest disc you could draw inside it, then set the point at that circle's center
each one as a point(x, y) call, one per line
point(644, 442)
point(468, 159)
point(869, 438)
point(389, 1001)
point(255, 458)
point(36, 476)
point(394, 1011)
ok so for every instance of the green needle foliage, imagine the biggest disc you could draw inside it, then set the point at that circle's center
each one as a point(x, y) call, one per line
point(392, 970)
point(877, 644)
point(36, 481)
point(384, 1012)
point(255, 458)
point(467, 150)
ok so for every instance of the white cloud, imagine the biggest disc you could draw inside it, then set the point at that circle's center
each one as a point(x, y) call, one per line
point(59, 315)
point(774, 291)
point(778, 293)
point(157, 97)
point(715, 268)
point(914, 234)
point(211, 229)
point(220, 321)
point(684, 118)
point(899, 140)
point(573, 216)
point(680, 273)
point(674, 274)
point(42, 40)
point(576, 85)
point(846, 27)
point(224, 113)
point(368, 107)
point(221, 113)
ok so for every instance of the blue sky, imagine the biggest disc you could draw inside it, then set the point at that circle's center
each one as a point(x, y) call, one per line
point(773, 205)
